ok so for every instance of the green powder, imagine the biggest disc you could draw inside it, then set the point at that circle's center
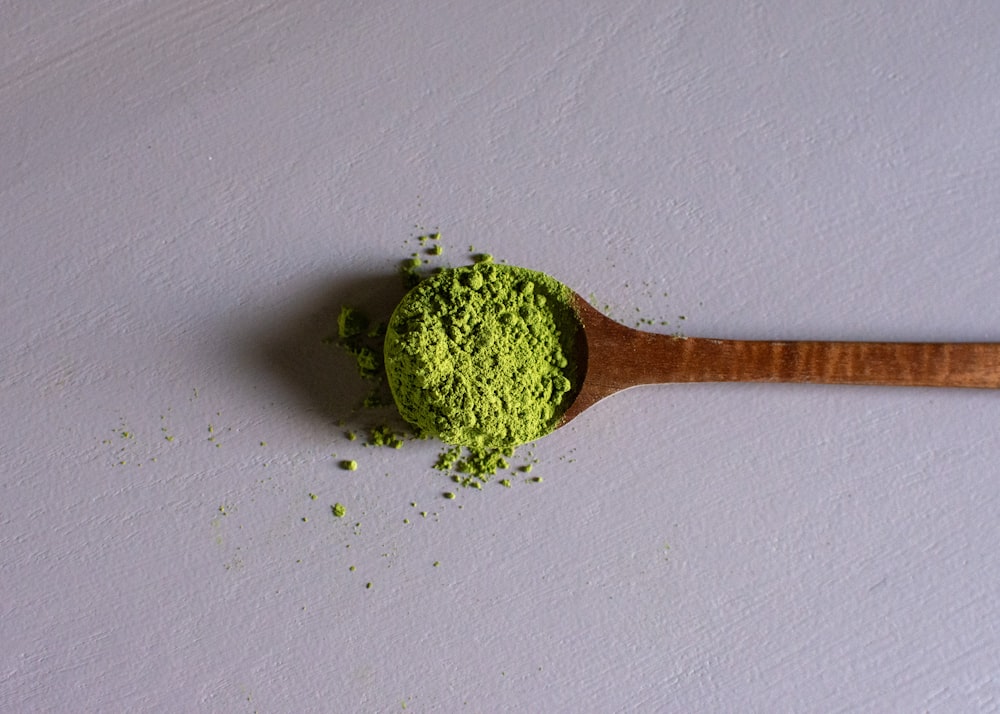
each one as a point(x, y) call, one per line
point(351, 323)
point(352, 329)
point(481, 356)
point(383, 436)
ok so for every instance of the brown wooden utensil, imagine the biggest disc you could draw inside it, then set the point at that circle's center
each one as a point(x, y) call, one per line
point(612, 357)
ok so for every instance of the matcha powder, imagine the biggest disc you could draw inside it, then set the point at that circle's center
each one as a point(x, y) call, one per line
point(481, 355)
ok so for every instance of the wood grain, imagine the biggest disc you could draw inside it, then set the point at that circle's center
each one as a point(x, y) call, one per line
point(615, 357)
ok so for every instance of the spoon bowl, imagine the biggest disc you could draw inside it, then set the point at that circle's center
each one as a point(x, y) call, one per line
point(611, 357)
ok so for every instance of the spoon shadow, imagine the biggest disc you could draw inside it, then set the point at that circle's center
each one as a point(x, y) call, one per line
point(299, 347)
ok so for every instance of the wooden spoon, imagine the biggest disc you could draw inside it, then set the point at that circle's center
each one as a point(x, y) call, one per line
point(612, 357)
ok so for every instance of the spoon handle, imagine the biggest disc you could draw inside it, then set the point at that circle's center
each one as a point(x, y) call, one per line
point(616, 357)
point(904, 364)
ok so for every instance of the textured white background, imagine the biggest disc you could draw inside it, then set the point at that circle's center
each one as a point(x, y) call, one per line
point(189, 190)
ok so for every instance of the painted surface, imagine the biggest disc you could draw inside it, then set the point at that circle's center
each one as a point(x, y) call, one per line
point(189, 192)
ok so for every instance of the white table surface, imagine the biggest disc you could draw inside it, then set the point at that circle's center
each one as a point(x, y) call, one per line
point(190, 190)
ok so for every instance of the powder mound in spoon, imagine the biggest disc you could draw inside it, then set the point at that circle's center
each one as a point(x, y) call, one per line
point(482, 355)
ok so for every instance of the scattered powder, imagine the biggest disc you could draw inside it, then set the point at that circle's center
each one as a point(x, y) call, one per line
point(383, 436)
point(448, 458)
point(410, 271)
point(478, 357)
point(473, 465)
point(353, 327)
point(351, 323)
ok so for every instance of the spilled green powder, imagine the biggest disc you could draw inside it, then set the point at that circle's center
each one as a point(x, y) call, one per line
point(353, 327)
point(410, 271)
point(351, 323)
point(480, 356)
point(339, 510)
point(448, 458)
point(383, 436)
point(477, 462)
